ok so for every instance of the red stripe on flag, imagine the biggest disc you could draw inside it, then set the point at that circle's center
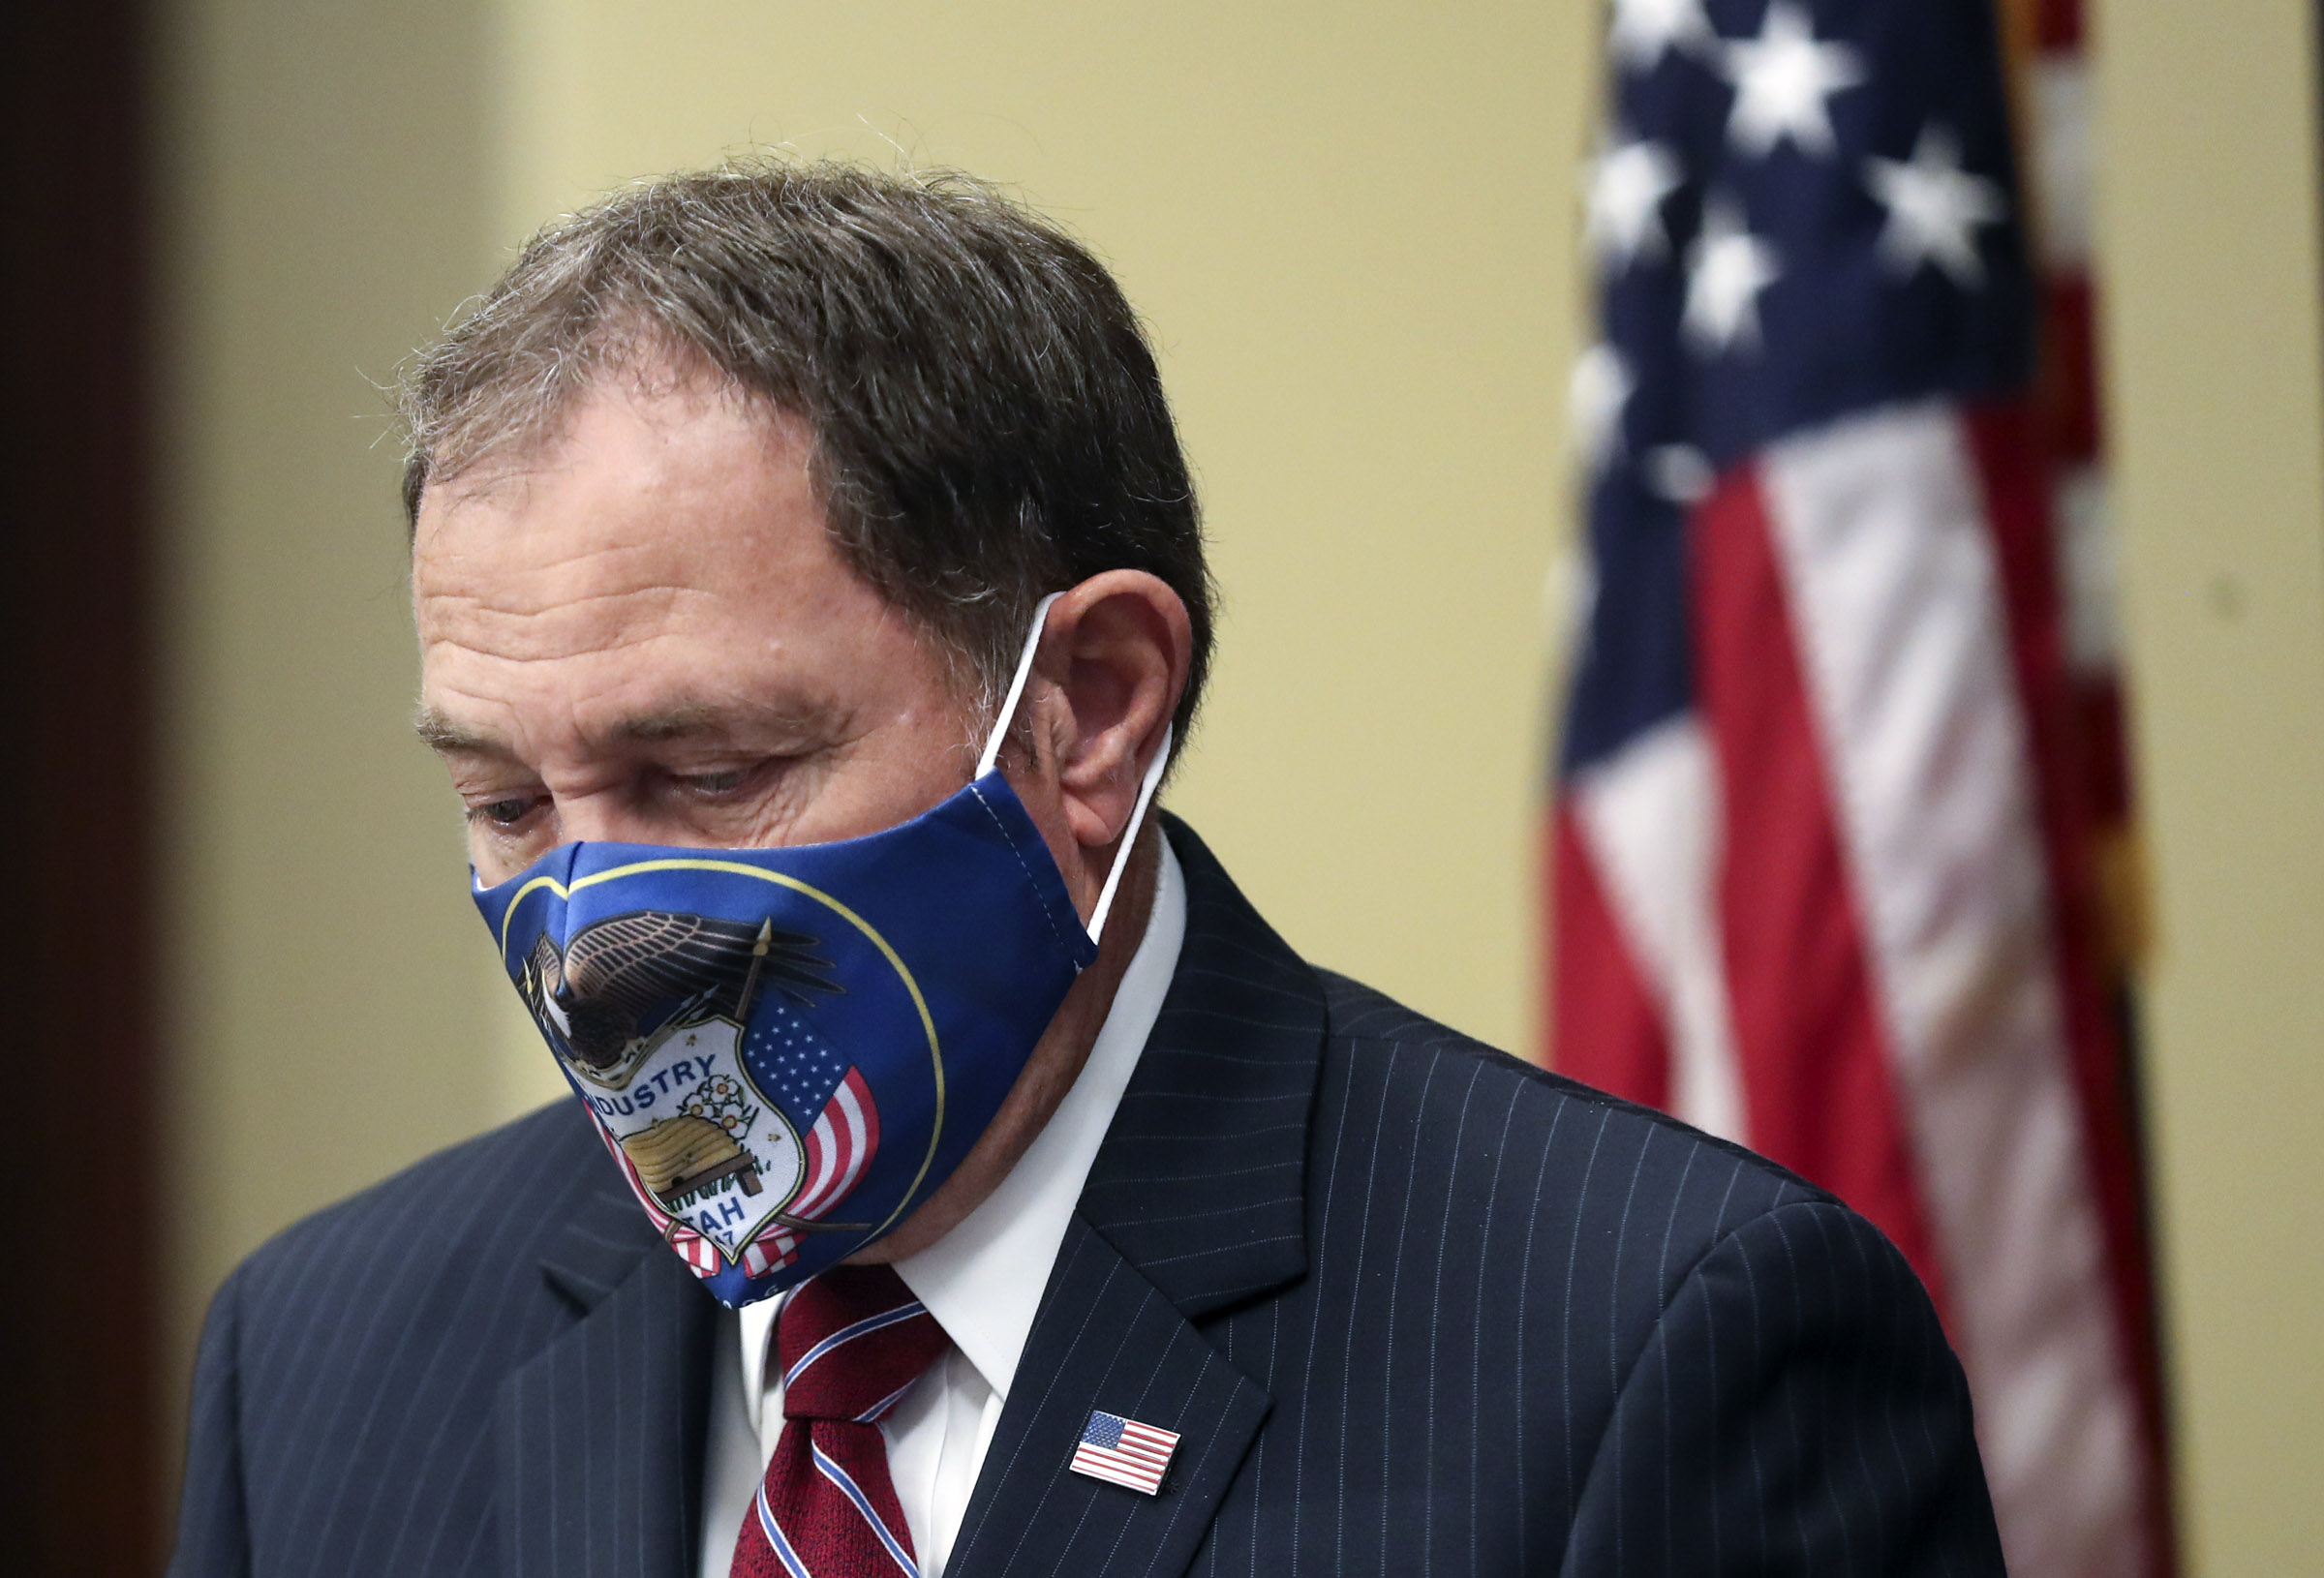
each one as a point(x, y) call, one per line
point(2017, 508)
point(2057, 24)
point(1605, 1029)
point(2068, 397)
point(1816, 1074)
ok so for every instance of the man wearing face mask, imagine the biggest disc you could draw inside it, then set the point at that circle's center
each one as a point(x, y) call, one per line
point(962, 1177)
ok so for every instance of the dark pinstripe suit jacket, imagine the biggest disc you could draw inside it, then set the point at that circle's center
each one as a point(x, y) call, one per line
point(1415, 1307)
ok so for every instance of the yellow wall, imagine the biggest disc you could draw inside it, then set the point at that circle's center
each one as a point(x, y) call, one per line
point(2209, 242)
point(325, 207)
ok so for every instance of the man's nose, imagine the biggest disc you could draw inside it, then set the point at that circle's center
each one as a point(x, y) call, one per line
point(604, 816)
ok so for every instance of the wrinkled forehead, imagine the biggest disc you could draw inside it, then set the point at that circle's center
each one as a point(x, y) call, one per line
point(670, 484)
point(667, 554)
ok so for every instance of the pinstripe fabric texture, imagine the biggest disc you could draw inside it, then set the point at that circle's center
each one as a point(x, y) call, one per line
point(1411, 1305)
point(425, 1379)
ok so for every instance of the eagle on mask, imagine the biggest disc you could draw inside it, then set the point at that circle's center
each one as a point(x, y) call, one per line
point(595, 997)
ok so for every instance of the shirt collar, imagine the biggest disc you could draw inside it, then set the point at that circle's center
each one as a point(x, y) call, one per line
point(983, 1281)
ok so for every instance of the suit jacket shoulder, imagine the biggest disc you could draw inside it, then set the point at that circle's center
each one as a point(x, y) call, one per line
point(1413, 1305)
point(1747, 1375)
point(1363, 1024)
point(492, 1198)
point(368, 1389)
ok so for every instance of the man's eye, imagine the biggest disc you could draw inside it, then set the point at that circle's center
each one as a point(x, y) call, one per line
point(714, 783)
point(505, 813)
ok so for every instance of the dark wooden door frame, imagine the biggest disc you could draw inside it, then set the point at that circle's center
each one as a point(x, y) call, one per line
point(79, 1129)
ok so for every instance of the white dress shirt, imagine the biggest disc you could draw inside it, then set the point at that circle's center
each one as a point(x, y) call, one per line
point(982, 1281)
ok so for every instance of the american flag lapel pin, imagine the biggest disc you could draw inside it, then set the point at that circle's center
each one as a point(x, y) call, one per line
point(1124, 1452)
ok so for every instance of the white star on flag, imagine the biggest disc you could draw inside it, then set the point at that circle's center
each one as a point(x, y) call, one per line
point(1627, 190)
point(1643, 29)
point(1935, 207)
point(1595, 395)
point(1782, 80)
point(1680, 472)
point(1726, 269)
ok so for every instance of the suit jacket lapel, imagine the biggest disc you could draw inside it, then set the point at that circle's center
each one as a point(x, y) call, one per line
point(1107, 1337)
point(1195, 1204)
point(602, 1433)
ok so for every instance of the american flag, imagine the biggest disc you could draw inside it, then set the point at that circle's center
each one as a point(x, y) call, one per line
point(1820, 863)
point(841, 1144)
point(845, 1138)
point(1124, 1452)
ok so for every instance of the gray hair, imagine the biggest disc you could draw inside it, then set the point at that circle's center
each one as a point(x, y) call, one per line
point(988, 424)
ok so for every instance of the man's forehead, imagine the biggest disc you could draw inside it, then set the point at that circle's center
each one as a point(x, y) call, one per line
point(621, 444)
point(664, 572)
point(660, 393)
point(622, 521)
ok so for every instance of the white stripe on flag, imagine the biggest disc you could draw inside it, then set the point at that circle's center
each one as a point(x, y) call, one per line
point(856, 1150)
point(1650, 817)
point(1117, 1468)
point(825, 1150)
point(1896, 597)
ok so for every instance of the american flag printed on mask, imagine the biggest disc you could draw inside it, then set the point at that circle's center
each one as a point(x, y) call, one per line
point(1820, 863)
point(841, 1144)
point(1124, 1452)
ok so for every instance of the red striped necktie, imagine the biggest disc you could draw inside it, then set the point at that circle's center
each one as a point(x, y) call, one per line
point(852, 1341)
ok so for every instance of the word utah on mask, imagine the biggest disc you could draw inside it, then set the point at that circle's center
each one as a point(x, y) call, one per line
point(789, 1049)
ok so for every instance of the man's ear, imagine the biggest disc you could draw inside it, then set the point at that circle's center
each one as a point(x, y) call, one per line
point(1117, 649)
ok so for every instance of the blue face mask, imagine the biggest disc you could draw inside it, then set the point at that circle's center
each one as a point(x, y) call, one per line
point(788, 1051)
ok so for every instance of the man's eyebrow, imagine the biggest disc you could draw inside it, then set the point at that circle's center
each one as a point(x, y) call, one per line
point(790, 722)
point(446, 737)
point(681, 720)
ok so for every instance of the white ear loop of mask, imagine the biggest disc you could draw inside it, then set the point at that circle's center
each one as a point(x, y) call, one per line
point(1145, 788)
